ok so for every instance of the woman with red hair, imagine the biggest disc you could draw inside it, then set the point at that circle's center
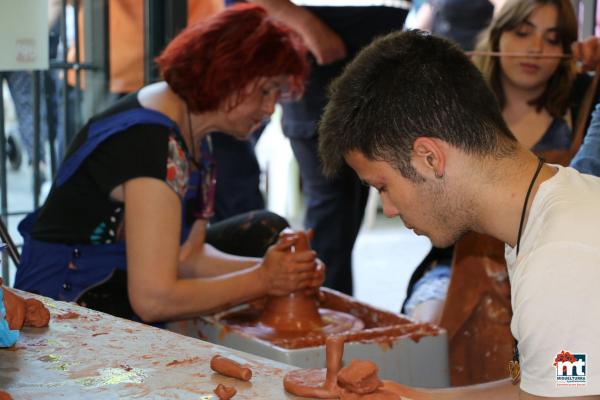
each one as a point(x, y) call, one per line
point(113, 232)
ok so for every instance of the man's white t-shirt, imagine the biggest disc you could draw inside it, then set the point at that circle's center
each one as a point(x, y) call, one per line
point(555, 284)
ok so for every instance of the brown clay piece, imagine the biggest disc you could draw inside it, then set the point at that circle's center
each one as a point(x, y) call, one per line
point(15, 309)
point(359, 376)
point(224, 392)
point(228, 367)
point(37, 314)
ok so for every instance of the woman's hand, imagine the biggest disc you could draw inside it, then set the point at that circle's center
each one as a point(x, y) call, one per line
point(587, 52)
point(284, 271)
point(322, 41)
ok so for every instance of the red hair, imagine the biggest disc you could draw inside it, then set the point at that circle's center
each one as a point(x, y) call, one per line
point(218, 57)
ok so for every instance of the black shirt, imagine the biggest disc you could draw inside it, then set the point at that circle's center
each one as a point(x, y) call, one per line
point(81, 210)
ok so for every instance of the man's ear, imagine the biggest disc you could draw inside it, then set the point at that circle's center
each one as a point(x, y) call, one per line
point(429, 157)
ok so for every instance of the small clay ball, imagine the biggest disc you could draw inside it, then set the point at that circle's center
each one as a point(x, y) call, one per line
point(224, 392)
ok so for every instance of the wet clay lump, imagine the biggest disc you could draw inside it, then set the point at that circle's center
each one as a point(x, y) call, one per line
point(228, 367)
point(24, 312)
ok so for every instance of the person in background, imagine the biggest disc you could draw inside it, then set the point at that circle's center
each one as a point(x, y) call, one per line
point(457, 20)
point(333, 33)
point(540, 100)
point(110, 229)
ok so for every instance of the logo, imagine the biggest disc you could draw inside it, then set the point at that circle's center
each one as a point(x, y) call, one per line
point(571, 369)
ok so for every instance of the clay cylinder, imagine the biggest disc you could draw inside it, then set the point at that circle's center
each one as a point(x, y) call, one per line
point(334, 351)
point(227, 367)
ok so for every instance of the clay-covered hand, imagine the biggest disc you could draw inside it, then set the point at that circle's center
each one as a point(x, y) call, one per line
point(285, 271)
point(587, 52)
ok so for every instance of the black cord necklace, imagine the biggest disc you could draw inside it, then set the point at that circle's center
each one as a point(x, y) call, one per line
point(192, 156)
point(513, 366)
point(537, 172)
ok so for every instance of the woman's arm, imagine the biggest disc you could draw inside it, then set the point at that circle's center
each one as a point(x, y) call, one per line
point(323, 43)
point(157, 293)
point(199, 259)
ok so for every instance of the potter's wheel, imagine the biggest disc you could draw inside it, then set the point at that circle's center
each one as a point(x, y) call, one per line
point(332, 322)
point(294, 316)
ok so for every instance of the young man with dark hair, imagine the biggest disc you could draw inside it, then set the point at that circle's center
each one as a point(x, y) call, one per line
point(414, 118)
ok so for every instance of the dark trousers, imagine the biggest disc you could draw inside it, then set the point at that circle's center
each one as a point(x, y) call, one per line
point(238, 176)
point(334, 210)
point(334, 207)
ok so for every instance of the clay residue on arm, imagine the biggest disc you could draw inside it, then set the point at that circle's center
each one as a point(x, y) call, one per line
point(227, 367)
point(224, 392)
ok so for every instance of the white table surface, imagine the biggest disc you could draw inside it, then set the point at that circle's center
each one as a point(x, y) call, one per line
point(98, 356)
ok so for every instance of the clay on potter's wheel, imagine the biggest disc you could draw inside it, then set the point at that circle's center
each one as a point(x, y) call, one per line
point(293, 315)
point(224, 392)
point(318, 383)
point(299, 311)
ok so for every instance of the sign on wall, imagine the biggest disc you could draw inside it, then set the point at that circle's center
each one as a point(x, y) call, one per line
point(23, 35)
